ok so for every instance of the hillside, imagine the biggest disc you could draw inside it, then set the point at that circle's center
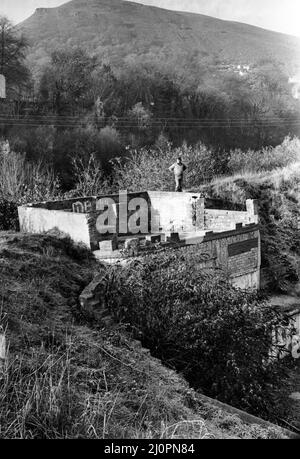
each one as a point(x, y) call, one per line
point(68, 378)
point(119, 31)
point(278, 195)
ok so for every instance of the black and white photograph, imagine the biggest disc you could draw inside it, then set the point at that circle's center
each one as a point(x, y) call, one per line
point(149, 222)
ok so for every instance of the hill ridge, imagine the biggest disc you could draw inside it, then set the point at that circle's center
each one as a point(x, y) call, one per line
point(118, 30)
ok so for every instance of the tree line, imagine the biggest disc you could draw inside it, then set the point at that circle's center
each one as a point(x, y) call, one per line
point(77, 106)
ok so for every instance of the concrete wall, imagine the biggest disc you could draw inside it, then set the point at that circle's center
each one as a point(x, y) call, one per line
point(238, 252)
point(171, 211)
point(163, 211)
point(88, 204)
point(213, 251)
point(222, 220)
point(37, 220)
point(176, 211)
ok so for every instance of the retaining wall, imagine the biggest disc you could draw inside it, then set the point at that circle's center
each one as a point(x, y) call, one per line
point(222, 220)
point(86, 219)
point(237, 252)
point(38, 220)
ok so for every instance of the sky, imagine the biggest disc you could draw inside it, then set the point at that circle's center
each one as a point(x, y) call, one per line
point(279, 15)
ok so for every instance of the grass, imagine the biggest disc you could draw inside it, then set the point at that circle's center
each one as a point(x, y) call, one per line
point(66, 378)
point(266, 159)
point(278, 195)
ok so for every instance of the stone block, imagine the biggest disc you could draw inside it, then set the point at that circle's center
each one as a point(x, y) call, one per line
point(109, 245)
point(153, 238)
point(172, 237)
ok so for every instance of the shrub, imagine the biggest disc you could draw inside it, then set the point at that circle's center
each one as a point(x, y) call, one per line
point(278, 199)
point(37, 143)
point(140, 116)
point(148, 169)
point(82, 143)
point(89, 178)
point(8, 216)
point(110, 142)
point(266, 159)
point(22, 181)
point(218, 337)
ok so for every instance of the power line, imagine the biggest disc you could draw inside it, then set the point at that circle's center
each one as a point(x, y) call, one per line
point(137, 123)
point(129, 123)
point(152, 122)
point(128, 119)
point(175, 126)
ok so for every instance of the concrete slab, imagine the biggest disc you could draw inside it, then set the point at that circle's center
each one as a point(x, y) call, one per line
point(192, 238)
point(108, 255)
point(154, 238)
point(109, 245)
point(172, 236)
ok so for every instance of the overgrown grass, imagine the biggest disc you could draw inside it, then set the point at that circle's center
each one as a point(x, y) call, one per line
point(217, 336)
point(278, 195)
point(148, 169)
point(267, 159)
point(22, 182)
point(67, 378)
point(91, 389)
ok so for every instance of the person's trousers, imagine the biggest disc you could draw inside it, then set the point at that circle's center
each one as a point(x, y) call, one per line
point(178, 182)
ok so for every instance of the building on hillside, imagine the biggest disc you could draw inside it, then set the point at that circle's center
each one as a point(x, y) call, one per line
point(115, 226)
point(295, 84)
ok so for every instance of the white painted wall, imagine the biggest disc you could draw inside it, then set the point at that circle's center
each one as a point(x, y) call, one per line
point(174, 209)
point(247, 281)
point(37, 220)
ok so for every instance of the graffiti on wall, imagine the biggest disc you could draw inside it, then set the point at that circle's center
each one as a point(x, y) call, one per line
point(121, 214)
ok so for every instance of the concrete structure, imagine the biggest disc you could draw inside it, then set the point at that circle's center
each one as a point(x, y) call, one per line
point(295, 84)
point(224, 238)
point(2, 87)
point(164, 212)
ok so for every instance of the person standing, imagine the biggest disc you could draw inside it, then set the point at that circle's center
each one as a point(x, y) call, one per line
point(178, 169)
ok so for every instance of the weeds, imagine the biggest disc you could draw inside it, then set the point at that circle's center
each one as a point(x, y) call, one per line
point(63, 377)
point(267, 159)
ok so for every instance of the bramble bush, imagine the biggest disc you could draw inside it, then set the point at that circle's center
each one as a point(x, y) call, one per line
point(8, 216)
point(148, 169)
point(278, 196)
point(21, 182)
point(24, 181)
point(267, 159)
point(217, 336)
point(90, 179)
